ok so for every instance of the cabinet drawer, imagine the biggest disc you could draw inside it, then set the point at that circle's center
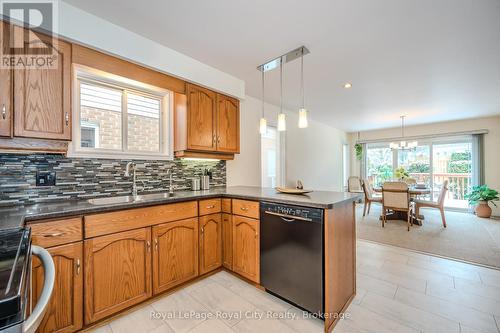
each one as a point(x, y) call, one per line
point(210, 206)
point(226, 205)
point(108, 223)
point(56, 232)
point(246, 208)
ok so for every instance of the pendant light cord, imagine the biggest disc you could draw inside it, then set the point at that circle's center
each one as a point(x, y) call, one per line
point(263, 93)
point(302, 77)
point(281, 85)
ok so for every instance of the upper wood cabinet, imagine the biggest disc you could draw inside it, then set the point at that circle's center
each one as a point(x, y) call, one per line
point(5, 88)
point(64, 313)
point(201, 118)
point(210, 242)
point(206, 124)
point(175, 254)
point(42, 96)
point(228, 124)
point(246, 247)
point(117, 272)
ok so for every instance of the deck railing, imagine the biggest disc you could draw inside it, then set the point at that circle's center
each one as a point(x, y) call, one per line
point(458, 183)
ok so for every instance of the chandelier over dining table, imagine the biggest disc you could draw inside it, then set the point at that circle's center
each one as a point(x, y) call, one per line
point(403, 144)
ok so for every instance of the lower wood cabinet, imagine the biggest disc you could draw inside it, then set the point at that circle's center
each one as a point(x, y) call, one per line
point(175, 254)
point(210, 242)
point(117, 272)
point(227, 241)
point(64, 313)
point(246, 247)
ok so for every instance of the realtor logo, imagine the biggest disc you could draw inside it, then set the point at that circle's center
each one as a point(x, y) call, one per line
point(29, 38)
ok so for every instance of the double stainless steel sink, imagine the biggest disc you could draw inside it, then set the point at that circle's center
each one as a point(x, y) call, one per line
point(129, 199)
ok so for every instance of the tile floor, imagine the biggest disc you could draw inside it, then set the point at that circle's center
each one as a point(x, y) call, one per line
point(398, 291)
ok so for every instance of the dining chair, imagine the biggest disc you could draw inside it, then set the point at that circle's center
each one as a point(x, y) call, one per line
point(369, 197)
point(410, 181)
point(396, 197)
point(354, 185)
point(439, 204)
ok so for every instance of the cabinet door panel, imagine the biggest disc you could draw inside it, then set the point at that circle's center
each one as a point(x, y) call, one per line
point(246, 247)
point(64, 313)
point(5, 87)
point(228, 124)
point(227, 241)
point(117, 272)
point(42, 102)
point(201, 118)
point(210, 242)
point(175, 258)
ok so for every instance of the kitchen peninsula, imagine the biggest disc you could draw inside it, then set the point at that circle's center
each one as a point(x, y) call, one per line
point(172, 240)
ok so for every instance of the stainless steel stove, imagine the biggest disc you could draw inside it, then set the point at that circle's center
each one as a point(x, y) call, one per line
point(15, 268)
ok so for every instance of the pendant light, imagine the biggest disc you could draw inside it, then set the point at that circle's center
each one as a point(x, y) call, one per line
point(403, 144)
point(263, 121)
point(302, 111)
point(281, 115)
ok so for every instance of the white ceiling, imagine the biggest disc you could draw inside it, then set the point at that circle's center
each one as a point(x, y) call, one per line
point(432, 60)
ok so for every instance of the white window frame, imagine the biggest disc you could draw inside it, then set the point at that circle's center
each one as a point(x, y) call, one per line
point(93, 76)
point(96, 127)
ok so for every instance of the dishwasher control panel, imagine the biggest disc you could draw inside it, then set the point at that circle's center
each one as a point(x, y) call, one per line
point(291, 211)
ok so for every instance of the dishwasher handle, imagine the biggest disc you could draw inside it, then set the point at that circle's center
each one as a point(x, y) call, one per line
point(288, 218)
point(31, 323)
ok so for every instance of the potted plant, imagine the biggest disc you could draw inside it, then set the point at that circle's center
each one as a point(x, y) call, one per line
point(481, 196)
point(401, 173)
point(358, 148)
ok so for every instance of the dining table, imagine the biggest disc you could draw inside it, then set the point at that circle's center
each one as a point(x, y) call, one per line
point(415, 191)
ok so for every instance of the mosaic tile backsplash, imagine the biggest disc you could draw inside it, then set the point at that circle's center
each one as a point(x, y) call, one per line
point(83, 178)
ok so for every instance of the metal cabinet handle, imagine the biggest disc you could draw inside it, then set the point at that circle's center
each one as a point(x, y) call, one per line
point(156, 244)
point(210, 207)
point(55, 234)
point(218, 139)
point(202, 229)
point(78, 266)
point(4, 111)
point(214, 139)
point(256, 234)
point(148, 245)
point(243, 208)
point(66, 117)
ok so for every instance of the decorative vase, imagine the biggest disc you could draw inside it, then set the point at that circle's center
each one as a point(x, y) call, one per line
point(483, 210)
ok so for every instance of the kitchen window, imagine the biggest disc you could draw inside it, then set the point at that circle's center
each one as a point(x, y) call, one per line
point(120, 118)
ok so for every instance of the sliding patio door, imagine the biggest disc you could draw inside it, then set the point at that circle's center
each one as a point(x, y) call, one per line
point(452, 161)
point(432, 162)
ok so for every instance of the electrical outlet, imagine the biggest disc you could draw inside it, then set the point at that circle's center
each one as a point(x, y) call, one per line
point(45, 178)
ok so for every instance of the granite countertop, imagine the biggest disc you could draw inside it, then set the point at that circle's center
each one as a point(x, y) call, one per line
point(15, 216)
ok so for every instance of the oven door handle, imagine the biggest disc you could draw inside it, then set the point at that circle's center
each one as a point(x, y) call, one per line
point(31, 323)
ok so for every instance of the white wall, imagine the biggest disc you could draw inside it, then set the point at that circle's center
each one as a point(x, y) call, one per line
point(313, 154)
point(491, 143)
point(90, 30)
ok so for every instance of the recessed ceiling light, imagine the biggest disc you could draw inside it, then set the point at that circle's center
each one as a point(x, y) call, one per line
point(347, 85)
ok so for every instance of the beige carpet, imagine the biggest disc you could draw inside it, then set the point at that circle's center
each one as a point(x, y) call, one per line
point(467, 237)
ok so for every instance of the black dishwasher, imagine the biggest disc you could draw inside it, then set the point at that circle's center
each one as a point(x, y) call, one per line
point(291, 254)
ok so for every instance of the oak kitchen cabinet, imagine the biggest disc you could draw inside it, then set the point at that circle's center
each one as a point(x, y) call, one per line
point(117, 272)
point(5, 89)
point(175, 254)
point(63, 239)
point(210, 242)
point(64, 313)
point(206, 124)
point(246, 247)
point(42, 96)
point(227, 241)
